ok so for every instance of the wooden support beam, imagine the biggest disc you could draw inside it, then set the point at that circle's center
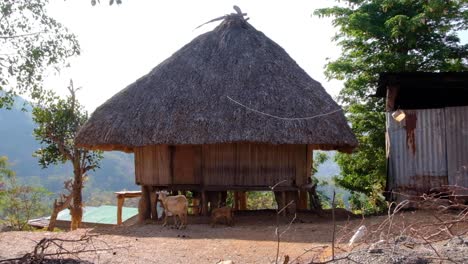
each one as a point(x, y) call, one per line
point(195, 207)
point(310, 161)
point(120, 203)
point(302, 202)
point(283, 203)
point(204, 202)
point(392, 93)
point(242, 200)
point(236, 201)
point(153, 201)
point(144, 210)
point(291, 196)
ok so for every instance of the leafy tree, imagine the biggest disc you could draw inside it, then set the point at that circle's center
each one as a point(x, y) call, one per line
point(58, 123)
point(31, 42)
point(18, 202)
point(387, 36)
point(5, 173)
point(257, 200)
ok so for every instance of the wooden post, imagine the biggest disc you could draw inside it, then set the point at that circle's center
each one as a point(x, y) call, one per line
point(196, 210)
point(242, 200)
point(236, 201)
point(120, 203)
point(204, 202)
point(302, 202)
point(283, 203)
point(291, 196)
point(310, 166)
point(392, 93)
point(144, 210)
point(223, 198)
point(153, 201)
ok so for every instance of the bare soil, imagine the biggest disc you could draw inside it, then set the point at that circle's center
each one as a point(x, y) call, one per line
point(251, 240)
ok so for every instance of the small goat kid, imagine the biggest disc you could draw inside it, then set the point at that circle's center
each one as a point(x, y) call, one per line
point(175, 206)
point(220, 213)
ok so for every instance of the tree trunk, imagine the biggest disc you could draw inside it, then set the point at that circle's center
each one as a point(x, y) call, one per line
point(53, 220)
point(76, 209)
point(58, 206)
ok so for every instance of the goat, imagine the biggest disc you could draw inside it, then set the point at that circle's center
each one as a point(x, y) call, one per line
point(175, 206)
point(219, 213)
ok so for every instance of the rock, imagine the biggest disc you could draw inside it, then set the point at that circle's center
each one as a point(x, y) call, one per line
point(376, 247)
point(225, 262)
point(375, 250)
point(406, 241)
point(457, 241)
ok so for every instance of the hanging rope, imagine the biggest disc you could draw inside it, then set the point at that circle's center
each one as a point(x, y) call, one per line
point(285, 118)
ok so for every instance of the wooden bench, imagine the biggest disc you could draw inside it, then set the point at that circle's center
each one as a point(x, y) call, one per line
point(121, 199)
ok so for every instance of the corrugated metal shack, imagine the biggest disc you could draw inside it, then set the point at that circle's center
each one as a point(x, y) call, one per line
point(429, 148)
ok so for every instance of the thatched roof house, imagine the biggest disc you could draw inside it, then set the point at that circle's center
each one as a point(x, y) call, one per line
point(187, 99)
point(229, 89)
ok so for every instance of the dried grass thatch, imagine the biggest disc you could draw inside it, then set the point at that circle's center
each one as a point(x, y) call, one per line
point(232, 84)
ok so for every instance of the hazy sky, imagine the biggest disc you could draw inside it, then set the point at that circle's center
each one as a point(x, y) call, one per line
point(122, 43)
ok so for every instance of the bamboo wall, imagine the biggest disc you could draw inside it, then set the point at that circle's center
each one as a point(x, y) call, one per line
point(222, 165)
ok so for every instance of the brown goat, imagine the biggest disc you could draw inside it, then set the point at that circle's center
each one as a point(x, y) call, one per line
point(220, 213)
point(175, 206)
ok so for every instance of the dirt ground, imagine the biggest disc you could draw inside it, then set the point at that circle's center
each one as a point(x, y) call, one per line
point(251, 240)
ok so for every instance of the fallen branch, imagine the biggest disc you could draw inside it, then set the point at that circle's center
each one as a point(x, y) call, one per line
point(53, 248)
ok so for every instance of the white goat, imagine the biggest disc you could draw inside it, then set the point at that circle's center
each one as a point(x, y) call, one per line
point(175, 206)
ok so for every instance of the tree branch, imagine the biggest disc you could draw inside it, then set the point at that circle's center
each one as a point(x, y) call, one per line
point(61, 146)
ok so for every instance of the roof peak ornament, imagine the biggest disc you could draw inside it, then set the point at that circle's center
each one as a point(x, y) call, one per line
point(238, 14)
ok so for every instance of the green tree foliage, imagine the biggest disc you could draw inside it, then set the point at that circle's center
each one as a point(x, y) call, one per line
point(18, 202)
point(59, 121)
point(5, 173)
point(31, 42)
point(387, 36)
point(257, 200)
point(320, 157)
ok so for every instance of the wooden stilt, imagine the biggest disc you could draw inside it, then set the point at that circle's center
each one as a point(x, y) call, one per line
point(236, 201)
point(302, 203)
point(196, 209)
point(283, 203)
point(120, 203)
point(292, 199)
point(223, 198)
point(153, 201)
point(242, 200)
point(204, 201)
point(144, 210)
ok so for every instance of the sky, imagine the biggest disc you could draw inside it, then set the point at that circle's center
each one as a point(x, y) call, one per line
point(122, 43)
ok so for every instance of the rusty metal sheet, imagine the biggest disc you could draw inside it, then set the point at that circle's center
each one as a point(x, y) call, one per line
point(417, 151)
point(457, 145)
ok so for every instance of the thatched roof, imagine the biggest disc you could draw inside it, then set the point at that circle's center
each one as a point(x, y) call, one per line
point(232, 84)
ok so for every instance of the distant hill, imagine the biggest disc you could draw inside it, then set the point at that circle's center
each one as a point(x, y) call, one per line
point(117, 168)
point(325, 173)
point(18, 144)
